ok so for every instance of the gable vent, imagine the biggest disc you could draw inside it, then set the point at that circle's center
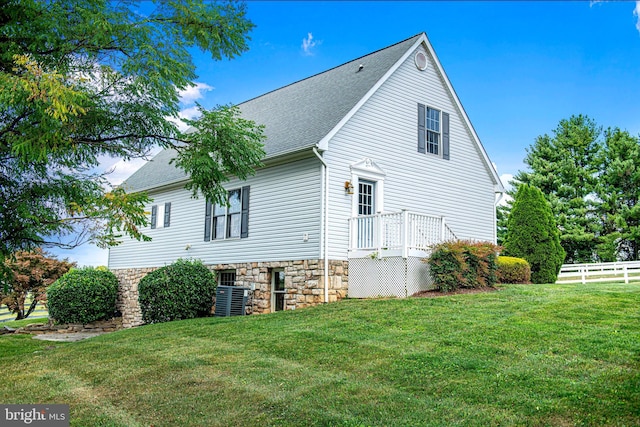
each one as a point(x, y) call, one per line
point(421, 61)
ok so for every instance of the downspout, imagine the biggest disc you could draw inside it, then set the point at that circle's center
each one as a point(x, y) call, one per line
point(325, 243)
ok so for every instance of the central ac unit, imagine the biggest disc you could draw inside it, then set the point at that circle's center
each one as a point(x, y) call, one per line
point(231, 300)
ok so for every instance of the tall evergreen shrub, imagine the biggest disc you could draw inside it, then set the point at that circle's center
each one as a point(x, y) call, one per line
point(532, 234)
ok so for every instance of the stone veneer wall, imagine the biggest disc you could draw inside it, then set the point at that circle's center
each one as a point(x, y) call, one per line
point(304, 285)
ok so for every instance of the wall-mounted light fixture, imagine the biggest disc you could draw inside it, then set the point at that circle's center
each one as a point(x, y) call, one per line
point(348, 187)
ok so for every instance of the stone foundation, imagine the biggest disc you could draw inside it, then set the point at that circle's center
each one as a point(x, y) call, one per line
point(304, 285)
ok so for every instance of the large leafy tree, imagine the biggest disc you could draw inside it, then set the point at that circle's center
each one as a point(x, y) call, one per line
point(30, 273)
point(532, 234)
point(565, 167)
point(85, 79)
point(619, 190)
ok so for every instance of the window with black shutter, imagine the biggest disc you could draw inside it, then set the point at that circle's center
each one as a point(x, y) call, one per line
point(433, 131)
point(230, 221)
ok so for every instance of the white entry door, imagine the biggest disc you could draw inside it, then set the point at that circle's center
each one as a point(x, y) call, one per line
point(366, 211)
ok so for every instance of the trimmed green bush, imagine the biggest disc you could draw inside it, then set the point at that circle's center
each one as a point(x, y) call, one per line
point(513, 270)
point(83, 295)
point(182, 290)
point(463, 264)
point(532, 234)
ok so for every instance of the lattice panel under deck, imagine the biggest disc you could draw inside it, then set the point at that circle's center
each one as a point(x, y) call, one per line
point(385, 277)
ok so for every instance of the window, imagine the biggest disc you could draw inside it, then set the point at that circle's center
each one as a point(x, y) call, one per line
point(229, 221)
point(163, 212)
point(227, 278)
point(277, 290)
point(433, 131)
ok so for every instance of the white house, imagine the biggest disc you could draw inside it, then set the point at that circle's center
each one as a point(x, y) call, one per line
point(367, 165)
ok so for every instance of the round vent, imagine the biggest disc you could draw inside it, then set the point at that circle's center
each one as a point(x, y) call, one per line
point(421, 61)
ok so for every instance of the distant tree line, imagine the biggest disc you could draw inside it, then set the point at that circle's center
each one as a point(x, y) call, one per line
point(591, 178)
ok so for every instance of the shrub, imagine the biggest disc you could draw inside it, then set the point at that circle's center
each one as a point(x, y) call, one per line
point(463, 264)
point(82, 296)
point(182, 290)
point(532, 234)
point(513, 270)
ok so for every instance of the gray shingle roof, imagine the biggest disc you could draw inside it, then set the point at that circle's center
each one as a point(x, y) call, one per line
point(297, 116)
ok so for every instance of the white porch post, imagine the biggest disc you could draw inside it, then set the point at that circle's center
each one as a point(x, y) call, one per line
point(377, 233)
point(405, 233)
point(442, 228)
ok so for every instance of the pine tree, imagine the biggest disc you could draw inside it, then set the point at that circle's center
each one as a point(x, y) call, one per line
point(619, 189)
point(532, 234)
point(565, 167)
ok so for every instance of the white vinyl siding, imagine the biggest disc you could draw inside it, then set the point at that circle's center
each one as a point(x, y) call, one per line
point(384, 129)
point(285, 205)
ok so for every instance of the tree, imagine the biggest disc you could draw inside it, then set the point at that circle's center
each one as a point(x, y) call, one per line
point(619, 190)
point(565, 168)
point(532, 234)
point(502, 215)
point(84, 79)
point(31, 272)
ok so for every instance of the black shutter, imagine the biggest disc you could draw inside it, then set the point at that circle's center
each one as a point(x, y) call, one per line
point(421, 129)
point(244, 225)
point(167, 214)
point(207, 221)
point(445, 136)
point(154, 215)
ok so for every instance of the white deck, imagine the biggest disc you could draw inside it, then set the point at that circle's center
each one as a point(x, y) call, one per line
point(396, 234)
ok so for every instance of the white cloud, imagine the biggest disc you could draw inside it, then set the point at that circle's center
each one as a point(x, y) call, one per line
point(308, 43)
point(193, 93)
point(188, 113)
point(636, 10)
point(123, 169)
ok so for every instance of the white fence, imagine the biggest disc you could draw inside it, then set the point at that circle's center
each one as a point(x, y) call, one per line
point(601, 272)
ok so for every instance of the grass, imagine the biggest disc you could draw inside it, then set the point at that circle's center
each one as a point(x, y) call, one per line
point(531, 355)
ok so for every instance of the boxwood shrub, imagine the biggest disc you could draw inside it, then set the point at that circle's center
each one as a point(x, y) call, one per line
point(463, 264)
point(82, 296)
point(182, 290)
point(513, 270)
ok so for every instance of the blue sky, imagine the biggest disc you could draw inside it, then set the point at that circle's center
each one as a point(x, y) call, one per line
point(517, 67)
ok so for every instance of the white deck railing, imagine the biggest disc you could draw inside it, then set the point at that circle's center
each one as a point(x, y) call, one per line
point(601, 272)
point(401, 231)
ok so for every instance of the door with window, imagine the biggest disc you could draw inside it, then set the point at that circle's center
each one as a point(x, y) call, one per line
point(366, 212)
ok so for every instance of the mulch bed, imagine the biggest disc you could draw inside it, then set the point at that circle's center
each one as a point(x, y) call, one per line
point(433, 293)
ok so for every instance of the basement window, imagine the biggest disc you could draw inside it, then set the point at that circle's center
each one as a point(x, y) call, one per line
point(277, 289)
point(227, 278)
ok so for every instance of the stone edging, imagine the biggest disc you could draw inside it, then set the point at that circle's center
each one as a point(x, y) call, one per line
point(47, 328)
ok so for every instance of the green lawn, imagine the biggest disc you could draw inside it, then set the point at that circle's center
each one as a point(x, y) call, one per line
point(558, 355)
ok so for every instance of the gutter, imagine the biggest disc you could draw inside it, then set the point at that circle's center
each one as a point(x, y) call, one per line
point(325, 223)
